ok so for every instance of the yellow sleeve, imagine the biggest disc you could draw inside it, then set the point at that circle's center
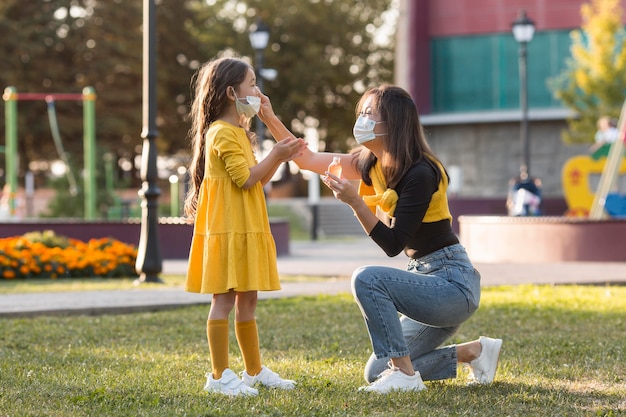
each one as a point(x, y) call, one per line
point(230, 148)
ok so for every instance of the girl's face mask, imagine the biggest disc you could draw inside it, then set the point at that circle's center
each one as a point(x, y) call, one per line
point(249, 106)
point(363, 130)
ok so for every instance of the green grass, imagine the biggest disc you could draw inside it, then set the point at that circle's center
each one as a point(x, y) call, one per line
point(31, 285)
point(563, 355)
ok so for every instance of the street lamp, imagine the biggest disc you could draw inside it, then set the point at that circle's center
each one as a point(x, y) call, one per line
point(149, 263)
point(525, 192)
point(523, 30)
point(259, 38)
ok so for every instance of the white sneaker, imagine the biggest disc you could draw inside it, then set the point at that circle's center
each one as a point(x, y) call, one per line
point(228, 384)
point(483, 368)
point(393, 379)
point(268, 378)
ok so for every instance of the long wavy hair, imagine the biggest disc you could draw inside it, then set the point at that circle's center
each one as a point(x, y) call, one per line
point(210, 102)
point(405, 143)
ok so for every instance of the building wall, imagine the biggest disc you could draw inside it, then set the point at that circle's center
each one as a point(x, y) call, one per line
point(472, 17)
point(489, 155)
point(481, 136)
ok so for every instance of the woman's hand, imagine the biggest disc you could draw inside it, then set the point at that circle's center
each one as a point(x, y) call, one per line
point(342, 189)
point(265, 111)
point(345, 192)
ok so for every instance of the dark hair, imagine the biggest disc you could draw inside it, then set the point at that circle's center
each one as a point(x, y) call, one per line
point(210, 101)
point(404, 144)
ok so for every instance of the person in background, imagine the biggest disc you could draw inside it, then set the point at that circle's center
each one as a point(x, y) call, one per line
point(402, 205)
point(232, 254)
point(607, 133)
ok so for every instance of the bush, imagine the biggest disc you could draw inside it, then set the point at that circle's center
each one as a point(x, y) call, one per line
point(46, 255)
point(47, 238)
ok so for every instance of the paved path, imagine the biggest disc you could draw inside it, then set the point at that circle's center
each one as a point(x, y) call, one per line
point(332, 260)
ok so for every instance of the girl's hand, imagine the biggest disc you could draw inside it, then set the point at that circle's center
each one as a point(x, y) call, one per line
point(288, 149)
point(342, 189)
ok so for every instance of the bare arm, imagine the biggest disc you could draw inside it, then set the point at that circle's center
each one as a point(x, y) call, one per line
point(313, 161)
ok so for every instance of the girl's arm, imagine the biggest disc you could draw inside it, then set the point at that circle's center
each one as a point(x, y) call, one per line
point(313, 161)
point(283, 151)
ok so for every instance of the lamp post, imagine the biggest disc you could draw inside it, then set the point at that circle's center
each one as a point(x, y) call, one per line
point(149, 263)
point(259, 38)
point(523, 30)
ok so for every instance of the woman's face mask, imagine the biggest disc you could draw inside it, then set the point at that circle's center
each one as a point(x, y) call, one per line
point(363, 130)
point(249, 106)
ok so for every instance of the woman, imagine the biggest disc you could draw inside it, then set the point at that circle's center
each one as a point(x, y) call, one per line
point(402, 205)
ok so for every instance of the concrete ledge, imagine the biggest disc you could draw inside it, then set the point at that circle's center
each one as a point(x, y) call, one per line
point(497, 239)
point(173, 233)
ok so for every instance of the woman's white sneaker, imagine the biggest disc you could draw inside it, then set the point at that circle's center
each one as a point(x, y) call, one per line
point(394, 379)
point(267, 378)
point(483, 368)
point(228, 384)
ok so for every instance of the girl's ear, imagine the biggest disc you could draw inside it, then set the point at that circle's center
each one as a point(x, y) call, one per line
point(230, 93)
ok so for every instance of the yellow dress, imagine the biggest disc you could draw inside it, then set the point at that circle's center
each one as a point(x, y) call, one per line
point(232, 245)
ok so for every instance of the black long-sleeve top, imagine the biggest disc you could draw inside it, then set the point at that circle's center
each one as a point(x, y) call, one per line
point(408, 231)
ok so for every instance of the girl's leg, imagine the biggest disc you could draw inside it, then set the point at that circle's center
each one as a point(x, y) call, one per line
point(217, 331)
point(248, 339)
point(247, 332)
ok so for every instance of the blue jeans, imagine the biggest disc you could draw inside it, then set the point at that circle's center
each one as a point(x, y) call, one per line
point(433, 297)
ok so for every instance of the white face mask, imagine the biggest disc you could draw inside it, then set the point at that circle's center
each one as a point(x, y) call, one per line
point(249, 106)
point(363, 130)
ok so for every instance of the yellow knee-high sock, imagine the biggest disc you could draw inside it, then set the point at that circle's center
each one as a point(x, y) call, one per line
point(217, 335)
point(248, 339)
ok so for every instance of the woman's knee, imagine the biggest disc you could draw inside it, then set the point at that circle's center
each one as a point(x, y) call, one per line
point(361, 280)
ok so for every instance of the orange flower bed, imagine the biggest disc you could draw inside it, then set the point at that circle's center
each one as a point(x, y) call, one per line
point(106, 257)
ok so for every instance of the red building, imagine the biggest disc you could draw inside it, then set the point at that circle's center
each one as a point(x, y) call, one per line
point(450, 40)
point(460, 61)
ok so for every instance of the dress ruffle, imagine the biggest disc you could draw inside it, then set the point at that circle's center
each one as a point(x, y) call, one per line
point(241, 262)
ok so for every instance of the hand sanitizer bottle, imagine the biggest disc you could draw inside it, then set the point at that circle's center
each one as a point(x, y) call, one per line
point(335, 167)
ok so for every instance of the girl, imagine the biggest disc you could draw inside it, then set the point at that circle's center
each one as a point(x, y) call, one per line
point(232, 253)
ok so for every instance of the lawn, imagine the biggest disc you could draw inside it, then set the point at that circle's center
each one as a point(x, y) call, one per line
point(563, 355)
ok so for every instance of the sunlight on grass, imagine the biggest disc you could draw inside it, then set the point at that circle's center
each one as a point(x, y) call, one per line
point(98, 284)
point(563, 355)
point(83, 284)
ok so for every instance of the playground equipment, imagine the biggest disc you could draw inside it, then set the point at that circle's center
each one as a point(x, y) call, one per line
point(610, 173)
point(576, 179)
point(88, 97)
point(58, 144)
point(605, 201)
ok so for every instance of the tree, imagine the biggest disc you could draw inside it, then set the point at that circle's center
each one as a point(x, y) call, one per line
point(594, 82)
point(62, 46)
point(324, 52)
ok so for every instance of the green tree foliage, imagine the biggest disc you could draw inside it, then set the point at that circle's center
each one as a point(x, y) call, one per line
point(594, 83)
point(64, 45)
point(323, 50)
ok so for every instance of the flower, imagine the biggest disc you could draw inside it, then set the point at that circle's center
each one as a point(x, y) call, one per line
point(45, 255)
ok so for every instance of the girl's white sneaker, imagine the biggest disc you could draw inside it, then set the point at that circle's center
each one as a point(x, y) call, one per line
point(268, 378)
point(228, 384)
